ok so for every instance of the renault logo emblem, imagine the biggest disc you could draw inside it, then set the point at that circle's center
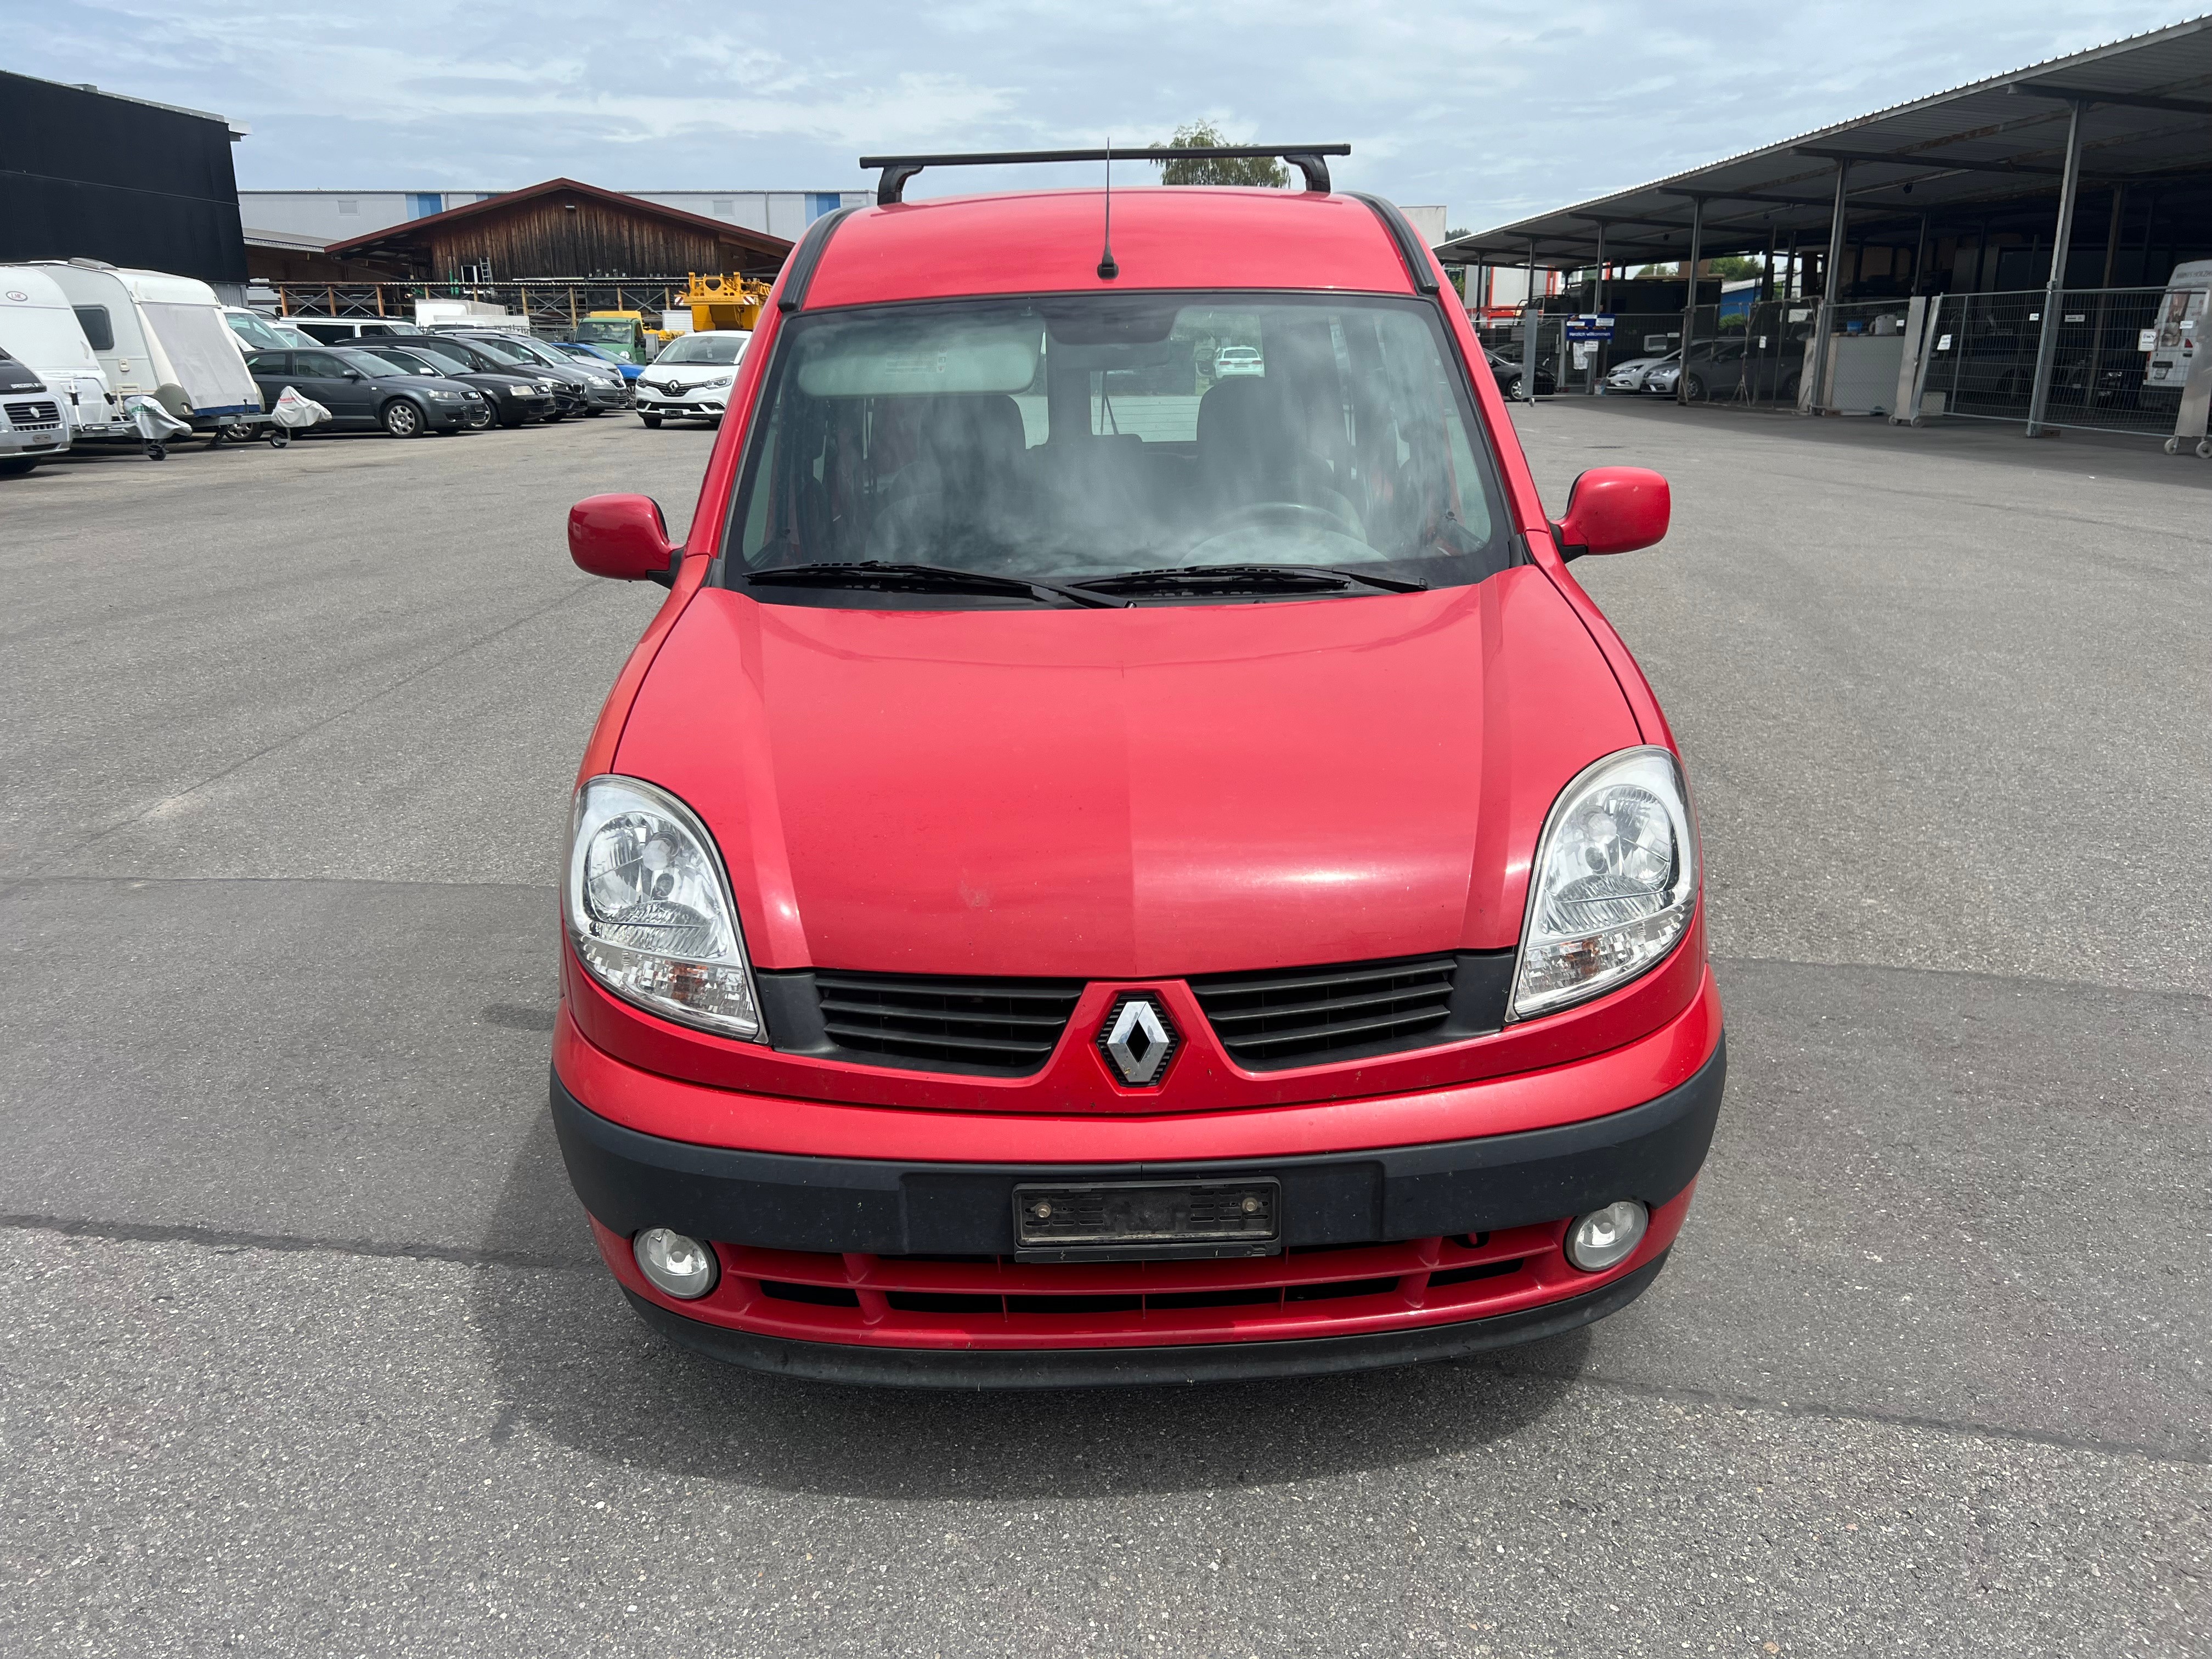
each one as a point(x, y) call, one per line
point(1138, 1039)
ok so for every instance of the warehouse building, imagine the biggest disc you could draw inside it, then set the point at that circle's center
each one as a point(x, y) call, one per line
point(2002, 251)
point(323, 216)
point(87, 175)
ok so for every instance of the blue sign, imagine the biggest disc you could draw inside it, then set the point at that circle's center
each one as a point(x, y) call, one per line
point(1587, 327)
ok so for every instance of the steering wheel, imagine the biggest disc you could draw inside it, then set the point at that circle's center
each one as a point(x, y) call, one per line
point(1287, 515)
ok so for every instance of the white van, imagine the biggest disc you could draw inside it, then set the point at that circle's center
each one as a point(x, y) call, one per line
point(31, 424)
point(350, 330)
point(40, 331)
point(161, 337)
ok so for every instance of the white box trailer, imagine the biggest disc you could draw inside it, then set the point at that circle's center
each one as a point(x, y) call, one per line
point(164, 337)
point(435, 315)
point(40, 330)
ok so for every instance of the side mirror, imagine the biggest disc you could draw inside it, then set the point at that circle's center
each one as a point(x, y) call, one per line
point(353, 374)
point(623, 537)
point(1613, 509)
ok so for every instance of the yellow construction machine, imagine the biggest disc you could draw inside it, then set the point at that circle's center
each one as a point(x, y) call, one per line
point(725, 301)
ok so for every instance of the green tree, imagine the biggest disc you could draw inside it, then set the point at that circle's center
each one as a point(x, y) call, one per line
point(1201, 135)
point(1729, 267)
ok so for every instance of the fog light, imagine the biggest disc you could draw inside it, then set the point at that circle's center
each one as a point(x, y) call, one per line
point(682, 1268)
point(1603, 1238)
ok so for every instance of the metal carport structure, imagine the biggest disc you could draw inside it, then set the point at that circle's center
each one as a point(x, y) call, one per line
point(2117, 137)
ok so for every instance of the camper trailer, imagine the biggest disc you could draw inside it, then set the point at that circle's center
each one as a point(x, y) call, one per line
point(40, 331)
point(163, 338)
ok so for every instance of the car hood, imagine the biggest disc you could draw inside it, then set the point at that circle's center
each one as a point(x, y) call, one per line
point(688, 374)
point(1150, 792)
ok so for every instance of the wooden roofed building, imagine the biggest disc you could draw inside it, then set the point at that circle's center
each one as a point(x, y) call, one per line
point(563, 230)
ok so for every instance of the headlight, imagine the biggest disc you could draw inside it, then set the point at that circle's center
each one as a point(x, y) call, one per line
point(545, 386)
point(1613, 885)
point(649, 911)
point(708, 385)
point(445, 397)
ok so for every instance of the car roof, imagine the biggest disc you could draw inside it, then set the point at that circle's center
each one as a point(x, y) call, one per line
point(1048, 242)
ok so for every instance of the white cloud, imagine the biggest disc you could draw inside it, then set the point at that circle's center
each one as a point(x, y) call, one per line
point(1484, 106)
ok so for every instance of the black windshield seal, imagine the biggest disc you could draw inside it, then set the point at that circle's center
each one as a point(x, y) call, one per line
point(1471, 558)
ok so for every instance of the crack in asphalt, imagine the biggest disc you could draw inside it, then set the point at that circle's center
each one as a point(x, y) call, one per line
point(147, 1232)
point(2184, 1456)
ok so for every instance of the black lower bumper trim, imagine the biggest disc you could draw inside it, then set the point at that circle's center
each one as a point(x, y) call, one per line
point(1092, 1368)
point(878, 1207)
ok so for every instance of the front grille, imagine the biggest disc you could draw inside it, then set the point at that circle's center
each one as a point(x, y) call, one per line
point(1303, 1016)
point(1005, 1027)
point(26, 416)
point(995, 1301)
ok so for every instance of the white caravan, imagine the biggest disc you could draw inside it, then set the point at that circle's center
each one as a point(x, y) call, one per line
point(163, 338)
point(40, 331)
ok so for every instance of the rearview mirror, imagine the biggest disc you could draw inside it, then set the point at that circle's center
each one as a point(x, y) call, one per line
point(623, 537)
point(1613, 509)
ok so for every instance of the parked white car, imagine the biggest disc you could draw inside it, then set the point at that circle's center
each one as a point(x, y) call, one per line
point(691, 380)
point(258, 333)
point(41, 330)
point(1237, 360)
point(1635, 374)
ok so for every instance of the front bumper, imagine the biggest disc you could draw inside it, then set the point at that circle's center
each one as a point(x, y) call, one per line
point(1089, 1368)
point(696, 408)
point(902, 1272)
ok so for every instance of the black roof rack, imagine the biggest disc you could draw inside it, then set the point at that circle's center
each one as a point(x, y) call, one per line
point(1306, 158)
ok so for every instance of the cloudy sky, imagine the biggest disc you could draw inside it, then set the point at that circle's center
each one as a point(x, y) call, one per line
point(1493, 110)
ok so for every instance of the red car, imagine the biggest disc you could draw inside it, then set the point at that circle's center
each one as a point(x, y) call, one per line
point(1100, 873)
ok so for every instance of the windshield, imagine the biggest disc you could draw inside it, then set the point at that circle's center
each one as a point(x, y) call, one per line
point(536, 351)
point(441, 357)
point(370, 364)
point(505, 351)
point(1070, 438)
point(705, 348)
point(253, 331)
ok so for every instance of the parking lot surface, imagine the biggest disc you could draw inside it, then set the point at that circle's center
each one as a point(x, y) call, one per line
point(303, 1347)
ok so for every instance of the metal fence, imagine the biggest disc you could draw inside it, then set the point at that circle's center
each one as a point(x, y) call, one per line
point(1981, 360)
point(1751, 358)
point(553, 306)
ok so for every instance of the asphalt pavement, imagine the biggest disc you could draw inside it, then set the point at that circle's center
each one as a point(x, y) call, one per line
point(304, 1350)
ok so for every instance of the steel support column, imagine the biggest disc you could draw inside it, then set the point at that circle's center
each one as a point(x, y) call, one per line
point(1832, 271)
point(1531, 312)
point(1595, 350)
point(2054, 291)
point(1690, 295)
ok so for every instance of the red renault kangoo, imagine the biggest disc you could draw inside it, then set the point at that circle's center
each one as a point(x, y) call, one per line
point(1125, 856)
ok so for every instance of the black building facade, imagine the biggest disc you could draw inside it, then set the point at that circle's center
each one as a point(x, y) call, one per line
point(88, 174)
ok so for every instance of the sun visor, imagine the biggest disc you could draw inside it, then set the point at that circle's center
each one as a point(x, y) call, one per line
point(903, 360)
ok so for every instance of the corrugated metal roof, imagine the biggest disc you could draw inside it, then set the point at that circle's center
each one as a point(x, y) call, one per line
point(1983, 145)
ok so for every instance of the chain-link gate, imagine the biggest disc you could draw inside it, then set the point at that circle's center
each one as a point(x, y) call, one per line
point(1981, 360)
point(1752, 358)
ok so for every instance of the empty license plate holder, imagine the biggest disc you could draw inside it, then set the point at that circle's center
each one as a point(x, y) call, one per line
point(1147, 1220)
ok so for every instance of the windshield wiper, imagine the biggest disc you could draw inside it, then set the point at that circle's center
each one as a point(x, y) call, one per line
point(1247, 578)
point(918, 579)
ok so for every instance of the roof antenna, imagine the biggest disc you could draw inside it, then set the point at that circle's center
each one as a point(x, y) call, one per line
point(1108, 270)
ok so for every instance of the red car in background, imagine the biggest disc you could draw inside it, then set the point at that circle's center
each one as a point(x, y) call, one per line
point(1102, 872)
